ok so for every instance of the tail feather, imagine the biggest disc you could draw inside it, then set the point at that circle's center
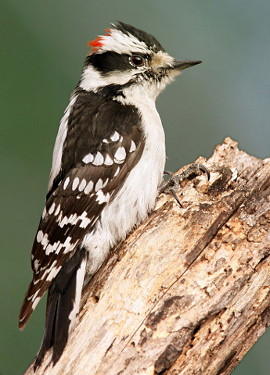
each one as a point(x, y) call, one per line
point(63, 304)
point(34, 294)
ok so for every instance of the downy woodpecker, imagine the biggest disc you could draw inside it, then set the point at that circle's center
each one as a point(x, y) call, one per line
point(108, 163)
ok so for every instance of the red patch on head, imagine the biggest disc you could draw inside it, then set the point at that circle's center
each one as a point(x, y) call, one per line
point(98, 42)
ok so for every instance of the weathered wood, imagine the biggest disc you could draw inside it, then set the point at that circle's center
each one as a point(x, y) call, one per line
point(188, 292)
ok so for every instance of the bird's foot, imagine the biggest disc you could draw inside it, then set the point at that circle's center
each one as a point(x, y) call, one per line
point(173, 183)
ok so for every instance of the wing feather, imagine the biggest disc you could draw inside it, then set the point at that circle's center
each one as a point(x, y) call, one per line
point(74, 206)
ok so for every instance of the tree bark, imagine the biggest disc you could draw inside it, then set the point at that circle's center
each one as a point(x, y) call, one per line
point(188, 292)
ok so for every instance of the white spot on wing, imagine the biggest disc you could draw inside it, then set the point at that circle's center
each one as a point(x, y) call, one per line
point(36, 301)
point(72, 219)
point(115, 136)
point(82, 185)
point(52, 248)
point(54, 271)
point(108, 160)
point(75, 183)
point(84, 220)
point(57, 210)
point(101, 197)
point(34, 296)
point(52, 208)
point(99, 159)
point(57, 247)
point(120, 155)
point(99, 184)
point(67, 244)
point(105, 182)
point(63, 222)
point(66, 183)
point(132, 146)
point(36, 264)
point(45, 240)
point(88, 158)
point(116, 172)
point(89, 187)
point(49, 249)
point(39, 236)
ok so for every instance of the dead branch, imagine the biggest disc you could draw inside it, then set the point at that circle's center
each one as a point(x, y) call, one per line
point(188, 292)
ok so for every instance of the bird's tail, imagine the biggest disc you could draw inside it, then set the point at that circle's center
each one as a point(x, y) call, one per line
point(63, 303)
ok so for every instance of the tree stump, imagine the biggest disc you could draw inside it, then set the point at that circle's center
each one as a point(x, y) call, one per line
point(188, 292)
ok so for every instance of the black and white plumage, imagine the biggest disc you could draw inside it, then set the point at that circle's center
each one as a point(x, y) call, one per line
point(108, 162)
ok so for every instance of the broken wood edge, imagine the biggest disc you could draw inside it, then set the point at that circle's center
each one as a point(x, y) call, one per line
point(230, 211)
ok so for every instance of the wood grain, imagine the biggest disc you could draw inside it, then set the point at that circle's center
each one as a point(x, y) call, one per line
point(188, 292)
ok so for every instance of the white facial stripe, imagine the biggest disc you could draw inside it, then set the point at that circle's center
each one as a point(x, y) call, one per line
point(121, 43)
point(92, 80)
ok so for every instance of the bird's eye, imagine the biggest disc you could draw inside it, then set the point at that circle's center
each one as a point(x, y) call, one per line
point(136, 60)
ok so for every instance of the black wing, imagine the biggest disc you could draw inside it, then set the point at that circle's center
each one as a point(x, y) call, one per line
point(101, 149)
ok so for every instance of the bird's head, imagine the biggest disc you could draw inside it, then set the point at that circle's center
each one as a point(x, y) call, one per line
point(125, 59)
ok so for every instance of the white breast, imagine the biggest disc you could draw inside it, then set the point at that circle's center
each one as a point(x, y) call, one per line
point(137, 196)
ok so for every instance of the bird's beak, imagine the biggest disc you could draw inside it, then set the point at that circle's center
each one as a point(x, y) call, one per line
point(183, 64)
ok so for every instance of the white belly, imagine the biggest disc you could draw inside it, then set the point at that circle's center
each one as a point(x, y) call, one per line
point(135, 199)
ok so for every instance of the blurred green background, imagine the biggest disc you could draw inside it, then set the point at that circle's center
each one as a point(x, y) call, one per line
point(43, 45)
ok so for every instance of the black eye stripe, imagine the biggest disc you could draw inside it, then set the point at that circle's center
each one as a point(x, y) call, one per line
point(108, 62)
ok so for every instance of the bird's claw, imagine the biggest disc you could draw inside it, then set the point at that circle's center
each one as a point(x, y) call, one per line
point(172, 185)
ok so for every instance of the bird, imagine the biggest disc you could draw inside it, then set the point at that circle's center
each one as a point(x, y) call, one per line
point(107, 165)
